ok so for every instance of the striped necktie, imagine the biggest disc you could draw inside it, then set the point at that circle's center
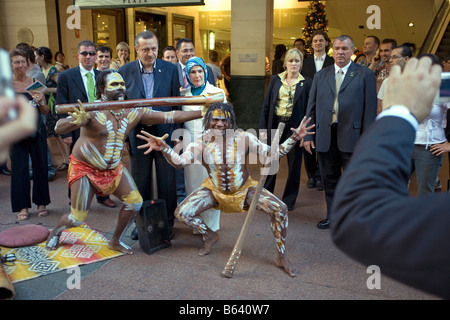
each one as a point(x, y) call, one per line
point(91, 87)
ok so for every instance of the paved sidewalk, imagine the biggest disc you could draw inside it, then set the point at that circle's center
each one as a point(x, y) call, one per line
point(178, 273)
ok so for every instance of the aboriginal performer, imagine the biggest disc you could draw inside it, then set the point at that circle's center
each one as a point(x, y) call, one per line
point(224, 151)
point(95, 163)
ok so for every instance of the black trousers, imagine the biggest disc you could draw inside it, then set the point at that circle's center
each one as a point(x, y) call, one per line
point(36, 148)
point(141, 170)
point(294, 158)
point(332, 163)
point(312, 165)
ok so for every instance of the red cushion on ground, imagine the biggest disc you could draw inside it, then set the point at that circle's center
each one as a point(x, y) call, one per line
point(25, 235)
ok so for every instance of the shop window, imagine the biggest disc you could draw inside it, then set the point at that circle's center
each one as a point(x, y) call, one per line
point(108, 27)
point(152, 22)
point(182, 27)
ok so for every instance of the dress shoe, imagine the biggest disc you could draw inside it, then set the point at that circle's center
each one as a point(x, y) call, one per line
point(108, 203)
point(319, 185)
point(6, 172)
point(311, 183)
point(323, 224)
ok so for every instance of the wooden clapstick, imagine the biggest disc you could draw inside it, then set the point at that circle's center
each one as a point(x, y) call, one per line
point(235, 254)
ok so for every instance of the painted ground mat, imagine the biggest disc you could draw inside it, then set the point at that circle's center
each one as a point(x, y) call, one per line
point(77, 246)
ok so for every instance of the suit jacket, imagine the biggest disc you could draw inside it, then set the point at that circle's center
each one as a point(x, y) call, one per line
point(165, 85)
point(300, 102)
point(208, 69)
point(70, 89)
point(374, 220)
point(309, 66)
point(357, 106)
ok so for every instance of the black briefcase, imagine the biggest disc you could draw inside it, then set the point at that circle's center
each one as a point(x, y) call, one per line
point(152, 226)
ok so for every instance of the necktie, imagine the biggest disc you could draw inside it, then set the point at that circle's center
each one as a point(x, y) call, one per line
point(91, 87)
point(336, 102)
point(186, 83)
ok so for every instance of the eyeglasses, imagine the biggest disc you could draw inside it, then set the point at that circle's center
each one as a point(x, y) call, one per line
point(85, 53)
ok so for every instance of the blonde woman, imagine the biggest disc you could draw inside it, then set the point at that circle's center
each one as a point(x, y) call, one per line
point(286, 100)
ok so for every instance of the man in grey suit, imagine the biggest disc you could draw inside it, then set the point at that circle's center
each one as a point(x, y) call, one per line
point(342, 108)
point(149, 77)
point(374, 220)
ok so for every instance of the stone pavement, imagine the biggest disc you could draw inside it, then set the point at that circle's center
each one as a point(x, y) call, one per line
point(178, 273)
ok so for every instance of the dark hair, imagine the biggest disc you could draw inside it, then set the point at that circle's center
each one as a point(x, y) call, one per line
point(105, 49)
point(183, 40)
point(406, 51)
point(29, 53)
point(85, 43)
point(411, 45)
point(226, 107)
point(393, 42)
point(58, 53)
point(301, 40)
point(213, 56)
point(144, 35)
point(280, 50)
point(46, 52)
point(377, 40)
point(434, 58)
point(100, 81)
point(325, 36)
point(169, 48)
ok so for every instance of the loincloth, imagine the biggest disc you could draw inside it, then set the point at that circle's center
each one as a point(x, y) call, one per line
point(230, 202)
point(104, 181)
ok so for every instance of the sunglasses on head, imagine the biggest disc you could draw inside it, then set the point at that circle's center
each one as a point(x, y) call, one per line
point(85, 53)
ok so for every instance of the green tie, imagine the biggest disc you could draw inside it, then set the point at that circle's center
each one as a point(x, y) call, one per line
point(91, 87)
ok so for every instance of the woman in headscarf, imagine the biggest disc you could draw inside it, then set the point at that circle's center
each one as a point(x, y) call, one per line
point(195, 174)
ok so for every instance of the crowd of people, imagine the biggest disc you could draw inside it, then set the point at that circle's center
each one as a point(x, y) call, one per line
point(339, 95)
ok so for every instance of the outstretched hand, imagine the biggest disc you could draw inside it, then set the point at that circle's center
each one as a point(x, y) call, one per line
point(80, 115)
point(153, 143)
point(302, 129)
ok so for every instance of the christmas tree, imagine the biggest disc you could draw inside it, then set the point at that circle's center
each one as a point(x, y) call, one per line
point(316, 19)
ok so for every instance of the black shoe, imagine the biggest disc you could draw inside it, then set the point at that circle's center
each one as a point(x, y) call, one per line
point(172, 232)
point(323, 224)
point(6, 172)
point(134, 234)
point(319, 185)
point(311, 183)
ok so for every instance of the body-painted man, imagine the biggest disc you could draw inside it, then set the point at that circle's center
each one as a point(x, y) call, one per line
point(224, 151)
point(95, 163)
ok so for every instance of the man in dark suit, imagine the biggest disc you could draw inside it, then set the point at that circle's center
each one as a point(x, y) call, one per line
point(373, 218)
point(342, 107)
point(149, 77)
point(73, 85)
point(320, 43)
point(185, 51)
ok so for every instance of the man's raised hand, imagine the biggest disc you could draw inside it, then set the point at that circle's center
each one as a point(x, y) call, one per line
point(302, 129)
point(153, 143)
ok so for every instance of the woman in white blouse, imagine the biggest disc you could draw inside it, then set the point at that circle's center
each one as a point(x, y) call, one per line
point(195, 174)
point(430, 133)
